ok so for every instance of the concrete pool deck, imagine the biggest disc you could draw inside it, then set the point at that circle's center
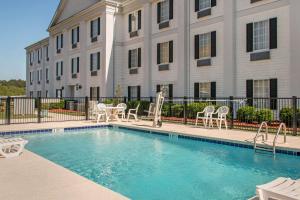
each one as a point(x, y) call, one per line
point(32, 177)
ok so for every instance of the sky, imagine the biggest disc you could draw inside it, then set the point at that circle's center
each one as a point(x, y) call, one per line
point(22, 22)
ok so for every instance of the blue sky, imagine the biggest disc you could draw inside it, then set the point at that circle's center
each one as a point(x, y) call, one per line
point(22, 23)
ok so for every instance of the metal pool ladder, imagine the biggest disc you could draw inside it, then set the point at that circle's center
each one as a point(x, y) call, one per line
point(268, 145)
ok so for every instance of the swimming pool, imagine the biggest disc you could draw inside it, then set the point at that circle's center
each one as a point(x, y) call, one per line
point(147, 166)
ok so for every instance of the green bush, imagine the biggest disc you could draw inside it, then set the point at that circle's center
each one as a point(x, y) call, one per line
point(59, 105)
point(194, 108)
point(177, 110)
point(144, 105)
point(286, 115)
point(264, 115)
point(167, 109)
point(246, 114)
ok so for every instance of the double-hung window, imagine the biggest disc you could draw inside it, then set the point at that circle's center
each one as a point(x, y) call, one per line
point(205, 90)
point(261, 35)
point(204, 4)
point(166, 89)
point(47, 75)
point(134, 23)
point(95, 29)
point(164, 11)
point(95, 62)
point(47, 53)
point(75, 37)
point(31, 57)
point(31, 77)
point(59, 70)
point(134, 58)
point(39, 76)
point(164, 53)
point(134, 92)
point(261, 88)
point(94, 93)
point(39, 53)
point(205, 45)
point(59, 42)
point(75, 66)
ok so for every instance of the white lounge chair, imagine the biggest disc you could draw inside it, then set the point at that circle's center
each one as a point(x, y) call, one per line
point(122, 109)
point(208, 111)
point(10, 148)
point(102, 112)
point(222, 117)
point(133, 113)
point(281, 188)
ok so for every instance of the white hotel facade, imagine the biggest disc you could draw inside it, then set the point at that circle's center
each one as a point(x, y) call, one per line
point(194, 48)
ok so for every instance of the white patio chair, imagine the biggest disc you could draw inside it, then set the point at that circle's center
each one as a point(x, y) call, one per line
point(10, 148)
point(102, 112)
point(221, 117)
point(207, 115)
point(133, 113)
point(151, 110)
point(281, 188)
point(122, 110)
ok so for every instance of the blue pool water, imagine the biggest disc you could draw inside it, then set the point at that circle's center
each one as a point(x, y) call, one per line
point(145, 166)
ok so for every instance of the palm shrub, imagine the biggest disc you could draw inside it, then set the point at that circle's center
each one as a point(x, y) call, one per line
point(264, 115)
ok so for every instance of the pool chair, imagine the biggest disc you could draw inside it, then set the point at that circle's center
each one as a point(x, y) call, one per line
point(221, 113)
point(101, 112)
point(281, 188)
point(133, 113)
point(121, 110)
point(207, 115)
point(10, 148)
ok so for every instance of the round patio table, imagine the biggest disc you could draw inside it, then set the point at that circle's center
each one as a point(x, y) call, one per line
point(112, 113)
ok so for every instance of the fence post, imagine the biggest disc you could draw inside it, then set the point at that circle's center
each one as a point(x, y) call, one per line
point(151, 99)
point(231, 112)
point(86, 108)
point(125, 100)
point(294, 115)
point(185, 109)
point(39, 107)
point(7, 111)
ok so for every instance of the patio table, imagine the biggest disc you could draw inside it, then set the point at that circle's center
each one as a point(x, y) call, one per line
point(112, 113)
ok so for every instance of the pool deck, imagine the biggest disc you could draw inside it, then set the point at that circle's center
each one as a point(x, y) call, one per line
point(30, 176)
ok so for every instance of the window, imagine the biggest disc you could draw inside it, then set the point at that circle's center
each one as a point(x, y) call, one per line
point(95, 29)
point(95, 61)
point(30, 94)
point(164, 11)
point(58, 93)
point(47, 75)
point(31, 77)
point(39, 76)
point(261, 35)
point(46, 94)
point(39, 53)
point(205, 90)
point(75, 65)
point(31, 57)
point(134, 91)
point(164, 52)
point(261, 88)
point(94, 92)
point(47, 53)
point(134, 21)
point(204, 4)
point(167, 90)
point(205, 45)
point(59, 42)
point(75, 36)
point(59, 69)
point(39, 93)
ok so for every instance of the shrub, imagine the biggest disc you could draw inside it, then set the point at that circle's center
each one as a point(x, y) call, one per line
point(264, 115)
point(286, 115)
point(144, 105)
point(246, 114)
point(177, 110)
point(59, 105)
point(193, 108)
point(166, 109)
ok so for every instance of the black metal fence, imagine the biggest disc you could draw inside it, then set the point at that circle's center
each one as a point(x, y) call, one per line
point(245, 113)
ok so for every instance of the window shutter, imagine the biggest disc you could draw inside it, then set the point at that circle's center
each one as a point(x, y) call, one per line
point(72, 36)
point(98, 93)
point(213, 44)
point(57, 69)
point(170, 90)
point(139, 19)
point(78, 34)
point(139, 57)
point(92, 29)
point(158, 53)
point(139, 93)
point(273, 94)
point(129, 23)
point(72, 66)
point(62, 41)
point(91, 93)
point(250, 37)
point(213, 90)
point(249, 92)
point(171, 9)
point(213, 3)
point(197, 38)
point(99, 26)
point(98, 60)
point(91, 62)
point(129, 93)
point(273, 33)
point(129, 59)
point(158, 12)
point(196, 5)
point(171, 52)
point(57, 43)
point(62, 68)
point(157, 88)
point(196, 90)
point(78, 64)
